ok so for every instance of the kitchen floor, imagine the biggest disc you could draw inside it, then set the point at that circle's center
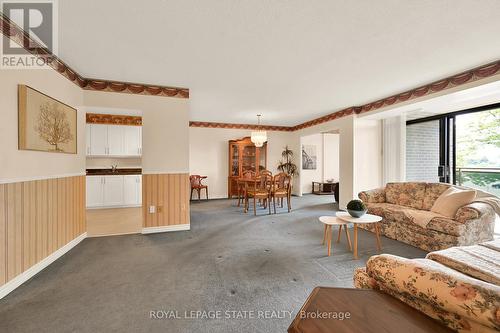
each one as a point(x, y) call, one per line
point(115, 221)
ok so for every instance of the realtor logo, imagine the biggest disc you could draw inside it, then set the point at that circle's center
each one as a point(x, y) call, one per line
point(38, 20)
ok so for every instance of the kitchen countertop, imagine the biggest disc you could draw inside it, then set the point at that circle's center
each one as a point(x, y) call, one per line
point(117, 172)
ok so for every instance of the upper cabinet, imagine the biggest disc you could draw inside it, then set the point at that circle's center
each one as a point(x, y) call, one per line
point(114, 140)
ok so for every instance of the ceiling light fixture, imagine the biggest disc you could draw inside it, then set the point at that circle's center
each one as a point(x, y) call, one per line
point(259, 137)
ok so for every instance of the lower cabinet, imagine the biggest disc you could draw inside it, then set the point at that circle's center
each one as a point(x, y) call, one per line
point(132, 190)
point(114, 191)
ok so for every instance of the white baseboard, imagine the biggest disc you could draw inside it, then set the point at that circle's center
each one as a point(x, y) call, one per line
point(35, 269)
point(166, 228)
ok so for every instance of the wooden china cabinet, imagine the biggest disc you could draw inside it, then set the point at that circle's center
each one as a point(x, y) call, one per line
point(244, 156)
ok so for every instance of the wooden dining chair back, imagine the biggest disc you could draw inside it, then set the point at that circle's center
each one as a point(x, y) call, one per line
point(282, 189)
point(259, 189)
point(197, 185)
point(247, 174)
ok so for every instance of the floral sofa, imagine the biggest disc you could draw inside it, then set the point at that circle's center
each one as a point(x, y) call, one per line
point(458, 287)
point(472, 224)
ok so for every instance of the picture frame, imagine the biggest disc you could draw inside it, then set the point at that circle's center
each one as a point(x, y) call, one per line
point(309, 157)
point(45, 123)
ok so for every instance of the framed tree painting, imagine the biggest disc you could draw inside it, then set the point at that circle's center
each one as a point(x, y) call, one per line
point(45, 124)
point(309, 157)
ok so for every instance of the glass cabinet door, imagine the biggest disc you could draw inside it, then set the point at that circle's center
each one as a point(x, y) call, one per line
point(235, 164)
point(262, 158)
point(248, 158)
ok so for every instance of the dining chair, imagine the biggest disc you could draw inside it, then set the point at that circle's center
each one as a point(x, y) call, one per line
point(248, 174)
point(282, 188)
point(259, 189)
point(197, 185)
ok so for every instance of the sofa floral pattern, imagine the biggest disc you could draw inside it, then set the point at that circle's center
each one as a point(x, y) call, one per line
point(458, 301)
point(472, 224)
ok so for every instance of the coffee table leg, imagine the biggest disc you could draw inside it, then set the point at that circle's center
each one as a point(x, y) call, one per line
point(340, 232)
point(355, 241)
point(324, 235)
point(329, 236)
point(377, 234)
point(348, 237)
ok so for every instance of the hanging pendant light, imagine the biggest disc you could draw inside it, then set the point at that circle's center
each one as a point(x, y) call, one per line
point(259, 137)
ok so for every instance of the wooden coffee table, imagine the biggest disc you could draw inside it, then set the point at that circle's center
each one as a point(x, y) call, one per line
point(328, 221)
point(365, 219)
point(360, 310)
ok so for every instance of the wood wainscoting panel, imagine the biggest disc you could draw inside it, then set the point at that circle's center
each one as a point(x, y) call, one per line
point(36, 219)
point(169, 193)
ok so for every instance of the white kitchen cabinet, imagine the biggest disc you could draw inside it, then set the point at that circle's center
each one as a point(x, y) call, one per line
point(132, 140)
point(113, 190)
point(132, 190)
point(98, 140)
point(114, 140)
point(95, 191)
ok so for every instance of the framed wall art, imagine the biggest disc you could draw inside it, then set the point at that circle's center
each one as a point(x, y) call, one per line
point(45, 124)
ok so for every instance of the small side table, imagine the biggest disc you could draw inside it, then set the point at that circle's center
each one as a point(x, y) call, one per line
point(365, 219)
point(328, 221)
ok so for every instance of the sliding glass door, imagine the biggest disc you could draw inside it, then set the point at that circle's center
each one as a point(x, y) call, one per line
point(460, 148)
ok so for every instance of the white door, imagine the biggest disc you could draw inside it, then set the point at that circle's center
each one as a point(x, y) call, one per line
point(98, 139)
point(131, 189)
point(87, 138)
point(113, 190)
point(115, 140)
point(94, 191)
point(131, 138)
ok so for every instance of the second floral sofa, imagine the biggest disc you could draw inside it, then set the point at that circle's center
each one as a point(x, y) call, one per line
point(396, 203)
point(458, 286)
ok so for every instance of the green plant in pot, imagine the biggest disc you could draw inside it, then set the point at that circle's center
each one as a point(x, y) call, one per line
point(286, 164)
point(356, 208)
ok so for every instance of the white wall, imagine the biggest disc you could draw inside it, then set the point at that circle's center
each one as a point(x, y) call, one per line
point(17, 165)
point(367, 155)
point(208, 154)
point(331, 156)
point(394, 149)
point(165, 128)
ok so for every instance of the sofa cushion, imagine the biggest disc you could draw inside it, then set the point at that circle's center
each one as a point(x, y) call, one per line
point(451, 200)
point(410, 194)
point(477, 261)
point(432, 192)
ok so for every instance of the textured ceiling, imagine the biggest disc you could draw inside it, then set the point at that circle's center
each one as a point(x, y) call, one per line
point(292, 61)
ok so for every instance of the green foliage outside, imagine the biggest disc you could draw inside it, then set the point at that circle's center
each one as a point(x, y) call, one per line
point(478, 146)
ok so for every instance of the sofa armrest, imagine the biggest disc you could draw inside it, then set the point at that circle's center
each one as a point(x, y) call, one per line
point(376, 195)
point(472, 211)
point(362, 280)
point(441, 288)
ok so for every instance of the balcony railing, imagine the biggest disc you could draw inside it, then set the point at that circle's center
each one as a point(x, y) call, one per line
point(487, 179)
